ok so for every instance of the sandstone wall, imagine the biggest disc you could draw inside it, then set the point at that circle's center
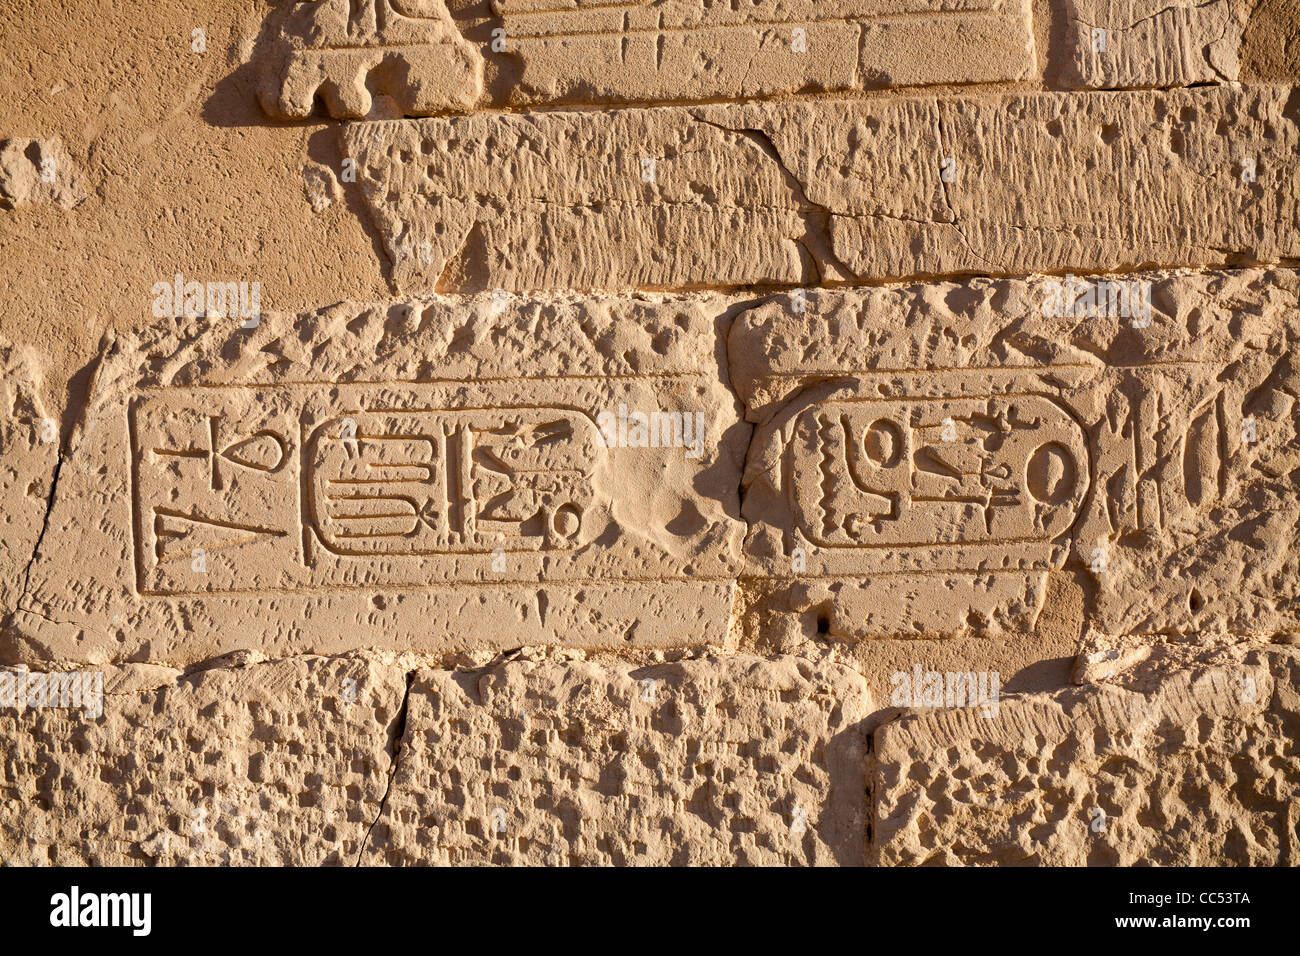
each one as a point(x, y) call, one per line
point(657, 433)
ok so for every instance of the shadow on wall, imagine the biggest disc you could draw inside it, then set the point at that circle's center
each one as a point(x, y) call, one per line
point(380, 59)
point(233, 102)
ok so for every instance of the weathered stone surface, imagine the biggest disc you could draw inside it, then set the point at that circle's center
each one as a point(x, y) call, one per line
point(1086, 182)
point(1270, 46)
point(682, 50)
point(408, 51)
point(484, 202)
point(625, 570)
point(320, 186)
point(415, 56)
point(380, 476)
point(720, 760)
point(274, 763)
point(794, 193)
point(39, 170)
point(29, 450)
point(1133, 43)
point(1187, 759)
point(924, 455)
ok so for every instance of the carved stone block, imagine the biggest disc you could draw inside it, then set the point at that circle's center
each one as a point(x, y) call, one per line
point(427, 475)
point(924, 456)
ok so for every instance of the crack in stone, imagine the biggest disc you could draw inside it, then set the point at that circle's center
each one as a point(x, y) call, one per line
point(1206, 50)
point(41, 614)
point(1172, 8)
point(397, 735)
point(817, 218)
point(947, 199)
point(36, 549)
point(729, 318)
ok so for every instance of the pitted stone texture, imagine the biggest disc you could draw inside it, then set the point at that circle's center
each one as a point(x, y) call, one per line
point(795, 193)
point(409, 52)
point(1145, 43)
point(29, 449)
point(380, 476)
point(276, 763)
point(1189, 759)
point(736, 760)
point(1154, 178)
point(39, 170)
point(584, 200)
point(923, 456)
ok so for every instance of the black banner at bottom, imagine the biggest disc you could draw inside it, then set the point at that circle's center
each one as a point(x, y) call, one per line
point(333, 907)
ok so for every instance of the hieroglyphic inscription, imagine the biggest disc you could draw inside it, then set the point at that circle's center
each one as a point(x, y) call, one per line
point(1005, 469)
point(595, 50)
point(936, 468)
point(427, 475)
point(445, 481)
point(944, 465)
point(286, 487)
point(214, 473)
